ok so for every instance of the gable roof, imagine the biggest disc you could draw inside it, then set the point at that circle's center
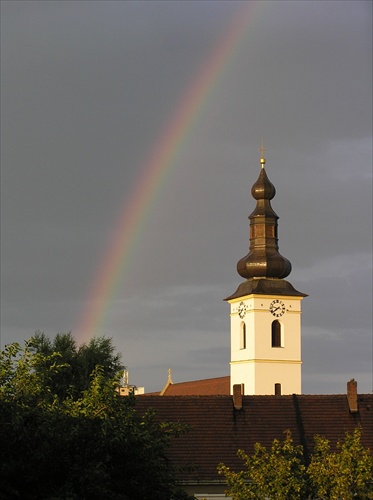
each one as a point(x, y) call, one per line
point(205, 387)
point(218, 430)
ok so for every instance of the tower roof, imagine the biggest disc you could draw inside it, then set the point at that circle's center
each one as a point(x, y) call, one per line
point(263, 259)
point(264, 263)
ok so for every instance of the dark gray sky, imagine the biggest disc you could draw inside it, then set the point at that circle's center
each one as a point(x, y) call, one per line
point(86, 89)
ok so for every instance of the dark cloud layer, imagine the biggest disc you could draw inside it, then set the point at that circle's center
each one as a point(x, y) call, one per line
point(87, 88)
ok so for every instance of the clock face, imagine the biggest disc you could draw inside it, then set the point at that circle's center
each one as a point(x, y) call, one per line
point(277, 308)
point(242, 310)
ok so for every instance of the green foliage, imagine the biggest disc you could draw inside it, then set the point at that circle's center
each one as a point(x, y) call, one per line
point(280, 473)
point(78, 362)
point(277, 473)
point(25, 377)
point(346, 474)
point(57, 442)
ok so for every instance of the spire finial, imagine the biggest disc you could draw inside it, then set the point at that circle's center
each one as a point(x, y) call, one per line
point(169, 376)
point(262, 159)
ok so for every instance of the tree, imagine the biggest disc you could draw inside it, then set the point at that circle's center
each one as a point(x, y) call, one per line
point(277, 473)
point(76, 363)
point(94, 445)
point(345, 474)
point(280, 473)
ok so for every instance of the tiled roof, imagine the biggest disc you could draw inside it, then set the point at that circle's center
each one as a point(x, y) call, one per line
point(205, 387)
point(217, 430)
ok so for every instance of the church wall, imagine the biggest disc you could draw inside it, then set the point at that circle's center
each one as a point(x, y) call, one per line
point(254, 360)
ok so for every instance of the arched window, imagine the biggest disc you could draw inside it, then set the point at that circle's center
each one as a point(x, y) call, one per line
point(243, 335)
point(276, 334)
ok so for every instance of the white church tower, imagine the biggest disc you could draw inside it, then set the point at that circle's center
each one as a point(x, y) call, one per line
point(265, 309)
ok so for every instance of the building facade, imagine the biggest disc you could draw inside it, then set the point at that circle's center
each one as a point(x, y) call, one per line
point(265, 310)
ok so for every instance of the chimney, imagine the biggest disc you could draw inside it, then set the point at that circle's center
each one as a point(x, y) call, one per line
point(277, 389)
point(352, 396)
point(238, 390)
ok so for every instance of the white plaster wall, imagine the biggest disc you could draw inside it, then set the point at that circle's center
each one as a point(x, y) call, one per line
point(269, 374)
point(260, 365)
point(244, 373)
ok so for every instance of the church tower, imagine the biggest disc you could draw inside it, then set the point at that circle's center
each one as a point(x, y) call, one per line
point(265, 309)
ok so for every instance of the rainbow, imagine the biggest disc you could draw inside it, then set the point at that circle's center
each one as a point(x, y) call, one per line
point(161, 159)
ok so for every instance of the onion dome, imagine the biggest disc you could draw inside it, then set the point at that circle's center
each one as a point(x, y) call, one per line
point(263, 259)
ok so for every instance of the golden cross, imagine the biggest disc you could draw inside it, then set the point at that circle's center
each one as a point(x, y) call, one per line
point(262, 159)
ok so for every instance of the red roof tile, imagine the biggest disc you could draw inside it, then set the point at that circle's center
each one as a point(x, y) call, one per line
point(217, 430)
point(206, 387)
